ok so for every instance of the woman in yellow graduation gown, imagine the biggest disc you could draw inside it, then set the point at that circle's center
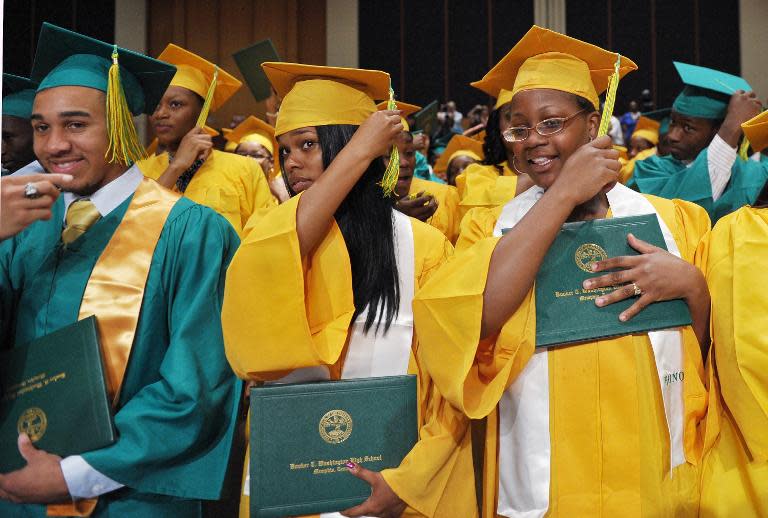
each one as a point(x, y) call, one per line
point(600, 428)
point(232, 185)
point(335, 267)
point(735, 470)
point(494, 181)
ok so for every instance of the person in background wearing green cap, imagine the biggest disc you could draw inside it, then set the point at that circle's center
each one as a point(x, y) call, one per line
point(148, 264)
point(703, 165)
point(17, 132)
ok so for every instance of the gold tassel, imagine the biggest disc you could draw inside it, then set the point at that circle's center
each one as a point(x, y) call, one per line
point(208, 99)
point(744, 148)
point(389, 181)
point(124, 146)
point(610, 98)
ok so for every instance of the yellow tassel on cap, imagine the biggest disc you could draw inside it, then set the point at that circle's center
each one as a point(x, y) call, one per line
point(208, 99)
point(610, 98)
point(124, 146)
point(389, 181)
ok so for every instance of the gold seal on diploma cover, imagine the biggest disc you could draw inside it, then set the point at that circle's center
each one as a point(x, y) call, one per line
point(335, 426)
point(588, 254)
point(33, 423)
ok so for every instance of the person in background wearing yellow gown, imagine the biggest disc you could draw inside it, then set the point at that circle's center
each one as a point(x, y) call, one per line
point(495, 181)
point(460, 153)
point(735, 469)
point(435, 204)
point(233, 186)
point(335, 269)
point(254, 138)
point(587, 429)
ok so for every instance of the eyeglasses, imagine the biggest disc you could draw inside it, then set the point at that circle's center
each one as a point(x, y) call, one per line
point(544, 128)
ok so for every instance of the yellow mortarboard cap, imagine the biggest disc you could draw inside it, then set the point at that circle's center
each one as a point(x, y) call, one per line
point(648, 129)
point(548, 59)
point(322, 96)
point(253, 129)
point(756, 130)
point(457, 146)
point(229, 147)
point(406, 108)
point(196, 74)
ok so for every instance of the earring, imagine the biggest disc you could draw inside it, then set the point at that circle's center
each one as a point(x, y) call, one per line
point(514, 165)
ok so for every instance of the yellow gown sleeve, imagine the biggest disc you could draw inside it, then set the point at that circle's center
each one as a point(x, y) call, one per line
point(445, 218)
point(436, 478)
point(471, 374)
point(478, 223)
point(740, 320)
point(273, 298)
point(628, 168)
point(484, 187)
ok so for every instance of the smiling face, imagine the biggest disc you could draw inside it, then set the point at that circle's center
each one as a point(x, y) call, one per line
point(688, 136)
point(302, 157)
point(70, 136)
point(175, 116)
point(540, 157)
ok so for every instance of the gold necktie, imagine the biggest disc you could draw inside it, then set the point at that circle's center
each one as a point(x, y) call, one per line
point(80, 216)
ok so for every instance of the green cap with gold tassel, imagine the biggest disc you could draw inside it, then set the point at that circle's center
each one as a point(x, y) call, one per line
point(133, 83)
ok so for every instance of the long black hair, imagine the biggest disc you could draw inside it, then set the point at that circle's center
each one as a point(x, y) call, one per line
point(365, 220)
point(493, 145)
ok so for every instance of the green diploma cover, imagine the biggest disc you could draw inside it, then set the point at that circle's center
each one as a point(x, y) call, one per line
point(54, 390)
point(566, 313)
point(303, 434)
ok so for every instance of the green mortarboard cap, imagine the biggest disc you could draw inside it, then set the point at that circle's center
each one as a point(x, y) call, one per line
point(19, 96)
point(424, 119)
point(249, 62)
point(707, 91)
point(66, 58)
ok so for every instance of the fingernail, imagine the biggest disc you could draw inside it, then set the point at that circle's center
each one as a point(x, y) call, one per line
point(67, 177)
point(594, 267)
point(623, 318)
point(351, 465)
point(599, 302)
point(587, 284)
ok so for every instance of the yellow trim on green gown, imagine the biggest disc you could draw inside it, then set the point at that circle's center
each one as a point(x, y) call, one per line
point(309, 305)
point(232, 185)
point(735, 469)
point(610, 446)
point(446, 217)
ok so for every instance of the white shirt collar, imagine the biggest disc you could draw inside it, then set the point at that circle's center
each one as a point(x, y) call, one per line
point(109, 197)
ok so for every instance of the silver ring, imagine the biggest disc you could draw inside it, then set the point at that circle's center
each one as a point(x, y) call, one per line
point(30, 191)
point(637, 289)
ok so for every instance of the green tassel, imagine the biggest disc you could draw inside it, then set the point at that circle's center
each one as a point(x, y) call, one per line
point(203, 117)
point(124, 146)
point(389, 181)
point(610, 98)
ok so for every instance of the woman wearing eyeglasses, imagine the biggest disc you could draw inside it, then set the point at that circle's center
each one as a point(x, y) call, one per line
point(598, 428)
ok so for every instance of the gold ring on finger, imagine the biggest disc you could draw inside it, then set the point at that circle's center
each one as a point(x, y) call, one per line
point(637, 289)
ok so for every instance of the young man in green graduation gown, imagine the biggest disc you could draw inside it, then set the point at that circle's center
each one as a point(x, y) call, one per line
point(703, 165)
point(149, 265)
